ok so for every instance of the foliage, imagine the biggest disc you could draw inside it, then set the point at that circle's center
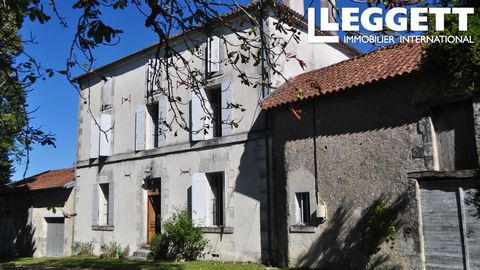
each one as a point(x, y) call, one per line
point(16, 78)
point(382, 221)
point(83, 249)
point(113, 250)
point(180, 239)
point(454, 68)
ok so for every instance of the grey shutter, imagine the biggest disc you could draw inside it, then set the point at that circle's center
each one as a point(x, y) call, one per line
point(108, 91)
point(197, 117)
point(111, 204)
point(140, 128)
point(199, 202)
point(226, 109)
point(94, 138)
point(162, 119)
point(214, 54)
point(105, 135)
point(95, 204)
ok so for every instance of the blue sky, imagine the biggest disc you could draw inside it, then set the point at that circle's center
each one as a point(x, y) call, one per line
point(55, 98)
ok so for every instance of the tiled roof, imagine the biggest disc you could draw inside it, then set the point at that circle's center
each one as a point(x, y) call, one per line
point(249, 7)
point(381, 64)
point(47, 180)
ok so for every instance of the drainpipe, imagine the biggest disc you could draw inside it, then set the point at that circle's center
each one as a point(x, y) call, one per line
point(267, 142)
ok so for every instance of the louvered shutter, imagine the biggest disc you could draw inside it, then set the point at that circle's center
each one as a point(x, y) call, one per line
point(94, 138)
point(105, 135)
point(140, 128)
point(95, 204)
point(197, 117)
point(199, 202)
point(111, 205)
point(162, 119)
point(214, 54)
point(226, 108)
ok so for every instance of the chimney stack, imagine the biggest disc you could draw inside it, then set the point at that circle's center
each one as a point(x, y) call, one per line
point(332, 14)
point(296, 5)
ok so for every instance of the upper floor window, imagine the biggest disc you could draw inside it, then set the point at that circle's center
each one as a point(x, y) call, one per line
point(101, 136)
point(212, 56)
point(151, 125)
point(107, 93)
point(211, 112)
point(214, 117)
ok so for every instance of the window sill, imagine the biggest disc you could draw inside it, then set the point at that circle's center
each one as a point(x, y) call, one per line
point(302, 229)
point(102, 228)
point(221, 230)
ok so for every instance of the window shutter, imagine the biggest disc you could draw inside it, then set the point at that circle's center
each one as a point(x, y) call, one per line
point(105, 134)
point(111, 205)
point(226, 109)
point(199, 202)
point(162, 119)
point(108, 91)
point(94, 138)
point(214, 54)
point(197, 117)
point(95, 204)
point(140, 128)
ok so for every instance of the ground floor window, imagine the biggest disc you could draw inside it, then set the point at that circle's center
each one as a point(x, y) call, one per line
point(302, 208)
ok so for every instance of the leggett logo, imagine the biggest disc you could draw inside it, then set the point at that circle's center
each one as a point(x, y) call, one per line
point(397, 19)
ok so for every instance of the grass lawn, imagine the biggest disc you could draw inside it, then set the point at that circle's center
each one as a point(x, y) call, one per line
point(110, 264)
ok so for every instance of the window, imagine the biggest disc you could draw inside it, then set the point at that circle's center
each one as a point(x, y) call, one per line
point(101, 136)
point(153, 125)
point(215, 181)
point(214, 106)
point(208, 199)
point(212, 56)
point(302, 208)
point(156, 126)
point(102, 204)
point(107, 94)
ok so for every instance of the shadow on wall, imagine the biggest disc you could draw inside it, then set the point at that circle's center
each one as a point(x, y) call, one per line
point(252, 182)
point(358, 245)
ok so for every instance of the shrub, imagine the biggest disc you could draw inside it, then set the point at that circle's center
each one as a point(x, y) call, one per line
point(83, 249)
point(113, 250)
point(180, 239)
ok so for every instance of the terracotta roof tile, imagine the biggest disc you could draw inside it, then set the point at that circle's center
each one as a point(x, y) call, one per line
point(47, 180)
point(378, 65)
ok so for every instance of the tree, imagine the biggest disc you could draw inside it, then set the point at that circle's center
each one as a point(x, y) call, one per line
point(16, 135)
point(166, 18)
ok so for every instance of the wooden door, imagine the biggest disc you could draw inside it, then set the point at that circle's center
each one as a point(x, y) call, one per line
point(55, 236)
point(153, 213)
point(451, 226)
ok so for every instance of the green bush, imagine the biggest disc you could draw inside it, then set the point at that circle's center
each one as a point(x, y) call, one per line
point(113, 250)
point(83, 249)
point(179, 240)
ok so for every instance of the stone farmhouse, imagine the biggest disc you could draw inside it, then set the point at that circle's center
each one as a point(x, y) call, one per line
point(387, 155)
point(128, 173)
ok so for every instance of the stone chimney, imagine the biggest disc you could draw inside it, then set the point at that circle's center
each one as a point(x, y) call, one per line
point(331, 12)
point(296, 5)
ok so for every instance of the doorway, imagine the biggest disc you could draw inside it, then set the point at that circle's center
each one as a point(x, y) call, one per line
point(153, 215)
point(55, 236)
